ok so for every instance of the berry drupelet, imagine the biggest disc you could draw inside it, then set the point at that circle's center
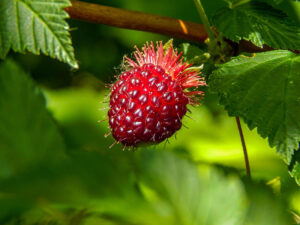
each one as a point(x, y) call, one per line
point(148, 100)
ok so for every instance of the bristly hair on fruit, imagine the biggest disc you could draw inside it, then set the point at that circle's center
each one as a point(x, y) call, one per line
point(171, 61)
point(149, 98)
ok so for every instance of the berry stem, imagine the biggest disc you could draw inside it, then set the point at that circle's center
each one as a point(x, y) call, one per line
point(244, 146)
point(204, 19)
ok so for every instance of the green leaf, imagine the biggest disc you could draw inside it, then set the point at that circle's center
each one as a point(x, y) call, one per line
point(259, 23)
point(265, 207)
point(205, 196)
point(193, 54)
point(294, 166)
point(36, 26)
point(264, 91)
point(194, 198)
point(27, 132)
point(295, 173)
point(162, 189)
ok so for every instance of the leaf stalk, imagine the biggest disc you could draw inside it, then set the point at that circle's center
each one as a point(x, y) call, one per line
point(204, 19)
point(244, 146)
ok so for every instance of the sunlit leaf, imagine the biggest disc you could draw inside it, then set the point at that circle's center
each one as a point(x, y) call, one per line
point(295, 166)
point(36, 26)
point(205, 196)
point(264, 91)
point(194, 199)
point(296, 172)
point(259, 23)
point(265, 207)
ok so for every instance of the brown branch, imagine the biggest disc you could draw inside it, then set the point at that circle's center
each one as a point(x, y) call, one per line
point(136, 20)
point(148, 22)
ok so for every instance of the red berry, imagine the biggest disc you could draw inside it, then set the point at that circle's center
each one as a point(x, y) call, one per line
point(148, 101)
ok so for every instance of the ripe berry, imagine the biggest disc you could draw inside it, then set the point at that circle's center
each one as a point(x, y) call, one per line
point(148, 101)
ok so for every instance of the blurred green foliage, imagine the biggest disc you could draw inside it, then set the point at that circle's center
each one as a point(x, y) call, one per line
point(57, 168)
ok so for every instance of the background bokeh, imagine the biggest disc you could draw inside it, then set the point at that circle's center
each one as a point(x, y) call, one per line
point(104, 179)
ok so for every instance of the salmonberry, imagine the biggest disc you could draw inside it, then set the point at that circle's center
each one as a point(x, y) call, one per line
point(148, 100)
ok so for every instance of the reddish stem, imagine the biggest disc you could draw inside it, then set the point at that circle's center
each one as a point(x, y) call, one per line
point(244, 146)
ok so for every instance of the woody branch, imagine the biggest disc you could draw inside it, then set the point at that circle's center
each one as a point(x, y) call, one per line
point(134, 20)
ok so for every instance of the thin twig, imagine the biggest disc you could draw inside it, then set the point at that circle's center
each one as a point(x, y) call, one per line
point(244, 146)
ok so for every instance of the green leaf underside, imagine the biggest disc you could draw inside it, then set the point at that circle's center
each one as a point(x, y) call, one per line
point(264, 91)
point(295, 173)
point(259, 23)
point(27, 132)
point(294, 167)
point(36, 26)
